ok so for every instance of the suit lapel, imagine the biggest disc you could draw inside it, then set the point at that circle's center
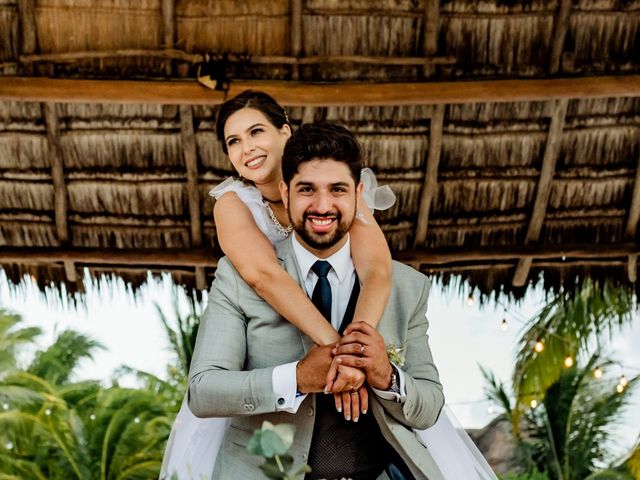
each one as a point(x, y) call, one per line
point(287, 258)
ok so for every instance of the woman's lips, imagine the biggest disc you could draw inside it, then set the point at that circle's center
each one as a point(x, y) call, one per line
point(255, 162)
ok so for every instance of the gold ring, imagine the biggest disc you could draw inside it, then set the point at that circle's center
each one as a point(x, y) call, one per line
point(361, 349)
point(355, 392)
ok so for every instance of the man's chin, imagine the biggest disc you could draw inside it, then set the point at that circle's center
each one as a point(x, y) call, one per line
point(320, 241)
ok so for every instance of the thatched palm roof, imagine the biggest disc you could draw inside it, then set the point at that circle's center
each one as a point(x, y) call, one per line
point(510, 130)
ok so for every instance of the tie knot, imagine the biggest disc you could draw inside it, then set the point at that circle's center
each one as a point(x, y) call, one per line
point(321, 268)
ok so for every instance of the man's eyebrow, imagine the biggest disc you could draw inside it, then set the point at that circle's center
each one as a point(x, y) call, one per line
point(248, 129)
point(341, 184)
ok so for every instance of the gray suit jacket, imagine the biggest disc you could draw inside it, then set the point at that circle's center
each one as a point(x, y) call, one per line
point(241, 339)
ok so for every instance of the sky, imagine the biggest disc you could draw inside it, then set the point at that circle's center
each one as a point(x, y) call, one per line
point(463, 335)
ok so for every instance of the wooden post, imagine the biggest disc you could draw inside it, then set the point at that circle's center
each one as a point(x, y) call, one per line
point(168, 31)
point(28, 34)
point(560, 32)
point(296, 35)
point(430, 175)
point(189, 153)
point(57, 171)
point(201, 278)
point(431, 33)
point(552, 149)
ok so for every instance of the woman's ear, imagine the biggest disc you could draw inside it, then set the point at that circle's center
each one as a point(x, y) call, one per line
point(286, 130)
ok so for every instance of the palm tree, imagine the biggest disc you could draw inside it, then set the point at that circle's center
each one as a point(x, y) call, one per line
point(561, 414)
point(12, 338)
point(53, 428)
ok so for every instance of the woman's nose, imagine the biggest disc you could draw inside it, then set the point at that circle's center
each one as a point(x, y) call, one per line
point(248, 146)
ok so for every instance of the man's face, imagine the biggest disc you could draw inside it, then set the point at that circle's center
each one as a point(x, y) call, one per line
point(322, 200)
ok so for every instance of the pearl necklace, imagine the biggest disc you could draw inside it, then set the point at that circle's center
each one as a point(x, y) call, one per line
point(282, 231)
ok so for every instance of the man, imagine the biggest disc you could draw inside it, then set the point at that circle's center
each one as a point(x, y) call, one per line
point(252, 365)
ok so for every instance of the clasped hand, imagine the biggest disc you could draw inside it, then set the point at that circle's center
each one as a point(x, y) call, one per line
point(359, 356)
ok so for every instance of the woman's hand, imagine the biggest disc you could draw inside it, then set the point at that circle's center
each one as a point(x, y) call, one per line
point(353, 403)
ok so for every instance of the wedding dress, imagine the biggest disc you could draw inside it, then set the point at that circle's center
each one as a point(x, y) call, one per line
point(194, 442)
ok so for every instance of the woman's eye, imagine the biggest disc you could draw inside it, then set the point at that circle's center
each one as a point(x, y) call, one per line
point(256, 131)
point(232, 142)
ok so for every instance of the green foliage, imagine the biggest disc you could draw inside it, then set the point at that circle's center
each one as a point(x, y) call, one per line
point(564, 437)
point(12, 338)
point(273, 442)
point(53, 428)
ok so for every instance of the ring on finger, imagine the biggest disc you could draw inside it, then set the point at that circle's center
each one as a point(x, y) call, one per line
point(362, 349)
point(354, 392)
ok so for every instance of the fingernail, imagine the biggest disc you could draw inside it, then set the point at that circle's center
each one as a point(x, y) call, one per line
point(348, 417)
point(364, 412)
point(355, 420)
point(339, 409)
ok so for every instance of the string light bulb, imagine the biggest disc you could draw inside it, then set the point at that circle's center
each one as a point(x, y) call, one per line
point(490, 409)
point(5, 406)
point(539, 346)
point(504, 325)
point(623, 380)
point(568, 361)
point(9, 445)
point(620, 388)
point(92, 416)
point(470, 301)
point(598, 372)
point(136, 420)
point(534, 403)
point(47, 412)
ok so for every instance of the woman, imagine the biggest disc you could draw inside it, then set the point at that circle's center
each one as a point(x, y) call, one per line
point(250, 217)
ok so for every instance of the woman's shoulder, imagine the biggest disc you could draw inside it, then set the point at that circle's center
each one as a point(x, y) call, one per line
point(246, 193)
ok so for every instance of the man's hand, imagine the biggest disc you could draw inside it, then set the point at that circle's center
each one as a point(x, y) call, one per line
point(363, 347)
point(311, 371)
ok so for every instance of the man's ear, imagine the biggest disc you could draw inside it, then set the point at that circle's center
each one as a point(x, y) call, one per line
point(284, 193)
point(359, 189)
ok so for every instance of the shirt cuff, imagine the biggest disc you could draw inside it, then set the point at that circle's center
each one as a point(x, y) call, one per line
point(285, 384)
point(398, 396)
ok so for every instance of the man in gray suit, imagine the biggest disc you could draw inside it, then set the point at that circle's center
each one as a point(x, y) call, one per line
point(252, 365)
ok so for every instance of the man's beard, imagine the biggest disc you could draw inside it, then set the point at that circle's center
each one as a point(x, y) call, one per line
point(322, 241)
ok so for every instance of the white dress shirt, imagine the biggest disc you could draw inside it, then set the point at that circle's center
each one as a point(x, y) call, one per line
point(342, 277)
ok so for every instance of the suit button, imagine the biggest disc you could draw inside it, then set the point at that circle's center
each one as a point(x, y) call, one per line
point(248, 407)
point(310, 411)
point(281, 401)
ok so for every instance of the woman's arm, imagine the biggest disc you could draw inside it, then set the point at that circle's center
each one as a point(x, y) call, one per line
point(253, 256)
point(372, 259)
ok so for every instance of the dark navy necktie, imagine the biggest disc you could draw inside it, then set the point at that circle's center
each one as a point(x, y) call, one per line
point(321, 297)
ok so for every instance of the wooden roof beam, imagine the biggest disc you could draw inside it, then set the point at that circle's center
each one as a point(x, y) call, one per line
point(168, 30)
point(552, 149)
point(189, 154)
point(38, 89)
point(431, 33)
point(561, 26)
point(430, 183)
point(28, 33)
point(296, 35)
point(204, 257)
point(57, 171)
point(632, 225)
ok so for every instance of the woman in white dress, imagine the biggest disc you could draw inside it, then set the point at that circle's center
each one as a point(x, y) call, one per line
point(250, 217)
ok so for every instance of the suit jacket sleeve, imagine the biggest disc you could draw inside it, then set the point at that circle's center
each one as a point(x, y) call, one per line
point(217, 385)
point(424, 396)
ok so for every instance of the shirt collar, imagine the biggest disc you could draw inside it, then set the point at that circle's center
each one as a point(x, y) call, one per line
point(340, 261)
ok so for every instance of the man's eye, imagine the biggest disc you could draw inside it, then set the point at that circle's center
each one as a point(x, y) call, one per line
point(305, 189)
point(339, 189)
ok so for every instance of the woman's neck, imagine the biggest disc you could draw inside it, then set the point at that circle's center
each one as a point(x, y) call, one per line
point(270, 191)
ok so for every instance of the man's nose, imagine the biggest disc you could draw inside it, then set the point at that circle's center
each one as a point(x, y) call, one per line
point(323, 202)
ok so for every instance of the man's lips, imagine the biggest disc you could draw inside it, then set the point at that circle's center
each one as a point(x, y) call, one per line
point(255, 162)
point(321, 224)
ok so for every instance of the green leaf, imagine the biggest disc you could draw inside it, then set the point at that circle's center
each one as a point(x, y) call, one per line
point(271, 469)
point(286, 432)
point(272, 444)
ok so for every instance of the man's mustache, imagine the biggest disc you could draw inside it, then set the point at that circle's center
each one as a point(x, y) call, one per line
point(321, 215)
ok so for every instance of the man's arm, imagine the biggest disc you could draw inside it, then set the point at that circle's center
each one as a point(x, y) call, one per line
point(218, 386)
point(423, 397)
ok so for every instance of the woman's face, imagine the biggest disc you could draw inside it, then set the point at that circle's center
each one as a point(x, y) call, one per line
point(255, 145)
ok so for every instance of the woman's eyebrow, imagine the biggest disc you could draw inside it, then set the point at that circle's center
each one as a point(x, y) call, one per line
point(248, 129)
